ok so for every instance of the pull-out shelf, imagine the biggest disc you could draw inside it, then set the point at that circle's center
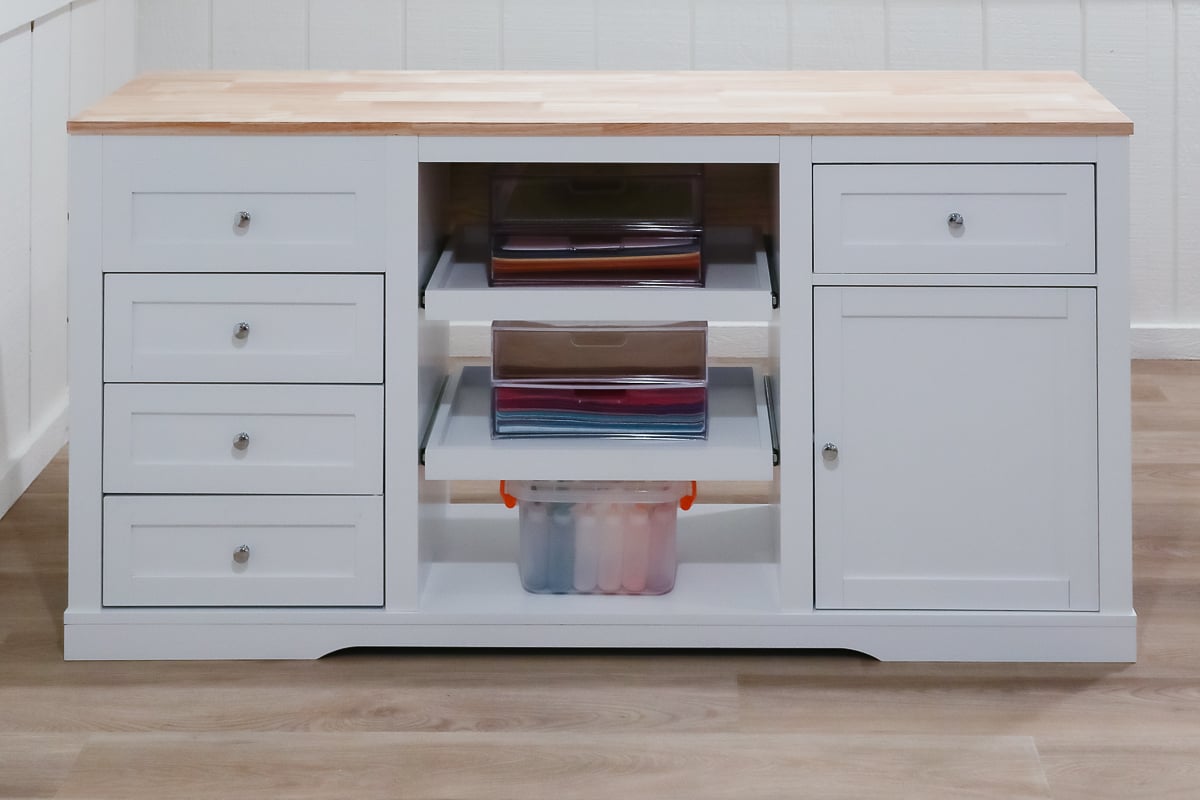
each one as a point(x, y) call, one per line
point(461, 447)
point(737, 288)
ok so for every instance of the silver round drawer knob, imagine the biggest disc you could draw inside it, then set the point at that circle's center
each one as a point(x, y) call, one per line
point(955, 220)
point(829, 452)
point(243, 219)
point(242, 554)
point(241, 441)
point(241, 330)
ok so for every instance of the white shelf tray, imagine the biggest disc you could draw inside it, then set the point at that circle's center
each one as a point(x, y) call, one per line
point(738, 448)
point(737, 288)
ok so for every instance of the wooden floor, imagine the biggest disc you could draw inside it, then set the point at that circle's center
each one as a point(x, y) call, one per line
point(654, 726)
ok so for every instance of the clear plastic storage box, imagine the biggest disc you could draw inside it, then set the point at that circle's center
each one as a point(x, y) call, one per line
point(554, 225)
point(598, 537)
point(569, 353)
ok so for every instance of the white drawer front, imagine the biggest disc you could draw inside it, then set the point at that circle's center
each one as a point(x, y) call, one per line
point(300, 551)
point(312, 203)
point(1011, 218)
point(184, 438)
point(297, 328)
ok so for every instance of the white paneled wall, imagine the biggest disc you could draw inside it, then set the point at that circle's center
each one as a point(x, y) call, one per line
point(661, 38)
point(1051, 38)
point(1144, 54)
point(850, 34)
point(55, 57)
point(935, 34)
point(15, 183)
point(739, 35)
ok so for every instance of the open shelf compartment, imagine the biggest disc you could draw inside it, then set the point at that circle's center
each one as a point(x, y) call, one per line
point(739, 447)
point(728, 568)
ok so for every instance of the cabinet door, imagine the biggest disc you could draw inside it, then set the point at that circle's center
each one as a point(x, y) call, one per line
point(963, 468)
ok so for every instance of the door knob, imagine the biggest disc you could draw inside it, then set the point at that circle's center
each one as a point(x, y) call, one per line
point(242, 554)
point(829, 452)
point(241, 441)
point(242, 330)
point(243, 219)
point(955, 220)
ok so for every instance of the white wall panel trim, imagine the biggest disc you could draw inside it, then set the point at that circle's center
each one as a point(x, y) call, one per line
point(19, 13)
point(1180, 341)
point(17, 474)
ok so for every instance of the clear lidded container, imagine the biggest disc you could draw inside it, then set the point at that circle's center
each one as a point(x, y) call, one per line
point(598, 537)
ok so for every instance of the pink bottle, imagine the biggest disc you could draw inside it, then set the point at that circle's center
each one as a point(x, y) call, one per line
point(636, 557)
point(612, 535)
point(661, 574)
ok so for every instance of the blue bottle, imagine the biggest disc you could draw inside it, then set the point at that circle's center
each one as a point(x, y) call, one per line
point(535, 536)
point(560, 561)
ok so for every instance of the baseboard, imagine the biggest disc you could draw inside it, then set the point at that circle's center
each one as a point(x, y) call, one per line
point(22, 467)
point(1174, 340)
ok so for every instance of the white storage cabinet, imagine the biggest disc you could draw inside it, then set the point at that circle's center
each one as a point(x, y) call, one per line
point(265, 421)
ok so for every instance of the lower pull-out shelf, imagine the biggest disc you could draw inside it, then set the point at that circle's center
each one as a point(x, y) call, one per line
point(461, 447)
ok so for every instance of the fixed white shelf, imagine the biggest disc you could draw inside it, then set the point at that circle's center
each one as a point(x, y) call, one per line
point(492, 591)
point(737, 288)
point(739, 447)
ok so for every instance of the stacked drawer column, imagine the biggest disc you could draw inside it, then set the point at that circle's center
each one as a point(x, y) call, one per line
point(243, 373)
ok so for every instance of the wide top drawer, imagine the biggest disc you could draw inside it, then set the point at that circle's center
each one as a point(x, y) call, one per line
point(254, 203)
point(954, 218)
point(243, 328)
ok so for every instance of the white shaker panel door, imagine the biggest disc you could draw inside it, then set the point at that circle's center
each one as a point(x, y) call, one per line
point(251, 439)
point(955, 448)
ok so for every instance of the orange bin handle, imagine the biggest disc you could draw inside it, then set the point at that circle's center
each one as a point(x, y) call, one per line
point(685, 502)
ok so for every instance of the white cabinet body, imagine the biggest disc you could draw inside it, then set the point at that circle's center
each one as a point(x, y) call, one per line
point(956, 458)
point(266, 422)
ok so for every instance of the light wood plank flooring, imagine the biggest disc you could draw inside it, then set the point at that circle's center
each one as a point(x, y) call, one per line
point(445, 724)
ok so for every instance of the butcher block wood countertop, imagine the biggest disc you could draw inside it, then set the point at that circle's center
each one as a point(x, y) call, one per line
point(592, 103)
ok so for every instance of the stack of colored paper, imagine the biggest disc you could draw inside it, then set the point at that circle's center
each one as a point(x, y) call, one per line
point(663, 259)
point(642, 412)
point(647, 381)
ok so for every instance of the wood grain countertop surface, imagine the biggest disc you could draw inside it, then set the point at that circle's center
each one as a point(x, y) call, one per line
point(592, 103)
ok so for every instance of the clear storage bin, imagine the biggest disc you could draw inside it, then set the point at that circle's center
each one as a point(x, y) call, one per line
point(596, 224)
point(568, 353)
point(598, 537)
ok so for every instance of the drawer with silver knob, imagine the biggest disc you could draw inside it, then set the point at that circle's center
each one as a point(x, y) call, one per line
point(954, 218)
point(243, 328)
point(242, 439)
point(243, 551)
point(292, 204)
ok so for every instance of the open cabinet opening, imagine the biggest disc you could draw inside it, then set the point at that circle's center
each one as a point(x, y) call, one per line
point(727, 545)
